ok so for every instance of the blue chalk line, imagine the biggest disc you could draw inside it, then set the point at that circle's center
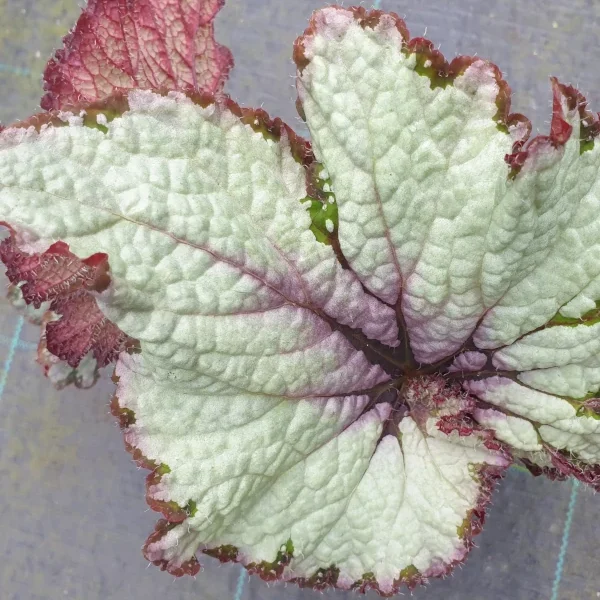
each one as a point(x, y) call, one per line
point(239, 590)
point(560, 563)
point(14, 342)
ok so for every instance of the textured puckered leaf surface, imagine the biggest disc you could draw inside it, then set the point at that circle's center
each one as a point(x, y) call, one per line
point(339, 351)
point(475, 253)
point(120, 45)
point(249, 389)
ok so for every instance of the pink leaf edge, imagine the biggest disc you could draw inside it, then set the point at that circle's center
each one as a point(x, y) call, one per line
point(120, 45)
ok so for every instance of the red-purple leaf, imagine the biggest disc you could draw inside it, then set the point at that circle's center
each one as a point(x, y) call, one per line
point(60, 277)
point(60, 373)
point(118, 45)
point(569, 466)
point(84, 329)
point(53, 273)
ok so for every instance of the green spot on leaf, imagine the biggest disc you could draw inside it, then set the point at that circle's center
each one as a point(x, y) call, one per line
point(90, 118)
point(588, 406)
point(323, 208)
point(500, 126)
point(367, 582)
point(410, 572)
point(425, 68)
point(584, 411)
point(324, 577)
point(191, 508)
point(589, 318)
point(163, 469)
point(324, 217)
point(259, 126)
point(127, 417)
point(270, 571)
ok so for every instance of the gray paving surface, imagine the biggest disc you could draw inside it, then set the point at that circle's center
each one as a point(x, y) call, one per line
point(72, 511)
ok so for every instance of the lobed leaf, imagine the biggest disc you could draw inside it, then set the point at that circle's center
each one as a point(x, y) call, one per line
point(341, 352)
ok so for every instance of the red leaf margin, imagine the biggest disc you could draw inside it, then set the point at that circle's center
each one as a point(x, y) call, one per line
point(119, 45)
point(566, 466)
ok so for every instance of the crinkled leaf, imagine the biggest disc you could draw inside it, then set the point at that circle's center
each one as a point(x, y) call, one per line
point(337, 357)
point(60, 282)
point(149, 44)
point(250, 389)
point(60, 372)
point(493, 265)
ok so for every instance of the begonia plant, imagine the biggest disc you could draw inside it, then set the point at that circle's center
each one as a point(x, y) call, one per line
point(326, 353)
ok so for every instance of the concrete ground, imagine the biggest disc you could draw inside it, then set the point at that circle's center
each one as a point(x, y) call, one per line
point(72, 510)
